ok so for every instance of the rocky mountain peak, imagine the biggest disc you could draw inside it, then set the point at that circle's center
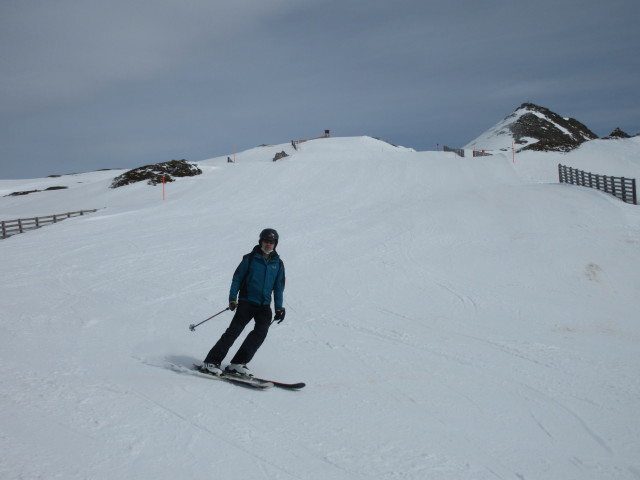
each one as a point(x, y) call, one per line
point(532, 127)
point(618, 133)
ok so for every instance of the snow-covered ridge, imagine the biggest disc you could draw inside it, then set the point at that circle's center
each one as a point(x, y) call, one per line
point(453, 318)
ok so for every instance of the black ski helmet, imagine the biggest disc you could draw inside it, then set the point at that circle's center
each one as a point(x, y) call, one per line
point(270, 234)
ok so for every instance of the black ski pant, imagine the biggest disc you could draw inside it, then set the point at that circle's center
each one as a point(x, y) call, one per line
point(244, 314)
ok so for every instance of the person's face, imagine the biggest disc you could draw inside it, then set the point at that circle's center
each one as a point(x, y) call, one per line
point(268, 245)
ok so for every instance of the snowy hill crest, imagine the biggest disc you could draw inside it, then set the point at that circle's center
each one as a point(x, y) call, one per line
point(453, 318)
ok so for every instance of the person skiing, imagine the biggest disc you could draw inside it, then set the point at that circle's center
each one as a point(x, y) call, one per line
point(259, 275)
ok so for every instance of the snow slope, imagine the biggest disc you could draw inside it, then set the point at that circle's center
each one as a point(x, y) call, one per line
point(454, 318)
point(499, 137)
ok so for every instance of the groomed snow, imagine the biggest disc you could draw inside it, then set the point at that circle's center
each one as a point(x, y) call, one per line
point(453, 318)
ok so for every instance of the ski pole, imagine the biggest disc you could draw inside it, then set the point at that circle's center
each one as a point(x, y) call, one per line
point(192, 327)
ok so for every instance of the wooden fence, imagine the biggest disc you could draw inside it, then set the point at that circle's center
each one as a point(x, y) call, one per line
point(21, 225)
point(457, 151)
point(481, 153)
point(621, 187)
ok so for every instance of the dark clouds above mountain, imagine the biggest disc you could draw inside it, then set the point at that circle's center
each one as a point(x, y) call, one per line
point(87, 84)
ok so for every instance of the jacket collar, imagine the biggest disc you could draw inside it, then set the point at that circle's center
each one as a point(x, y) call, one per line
point(257, 250)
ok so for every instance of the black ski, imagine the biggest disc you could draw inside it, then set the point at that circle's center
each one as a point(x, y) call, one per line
point(288, 386)
point(243, 382)
point(238, 380)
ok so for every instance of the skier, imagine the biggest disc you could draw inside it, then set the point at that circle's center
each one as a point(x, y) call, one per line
point(259, 275)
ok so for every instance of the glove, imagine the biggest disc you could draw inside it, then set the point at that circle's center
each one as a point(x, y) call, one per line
point(279, 315)
point(232, 305)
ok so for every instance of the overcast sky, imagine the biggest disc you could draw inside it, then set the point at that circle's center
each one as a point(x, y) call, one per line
point(87, 84)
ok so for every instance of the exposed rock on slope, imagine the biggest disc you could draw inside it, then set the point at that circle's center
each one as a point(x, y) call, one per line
point(153, 174)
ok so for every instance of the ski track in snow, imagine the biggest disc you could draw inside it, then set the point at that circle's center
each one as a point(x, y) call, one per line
point(453, 319)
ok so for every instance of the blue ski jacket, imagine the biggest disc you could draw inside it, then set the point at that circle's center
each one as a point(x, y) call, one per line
point(257, 277)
